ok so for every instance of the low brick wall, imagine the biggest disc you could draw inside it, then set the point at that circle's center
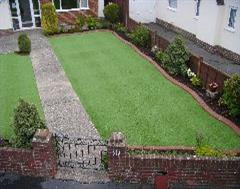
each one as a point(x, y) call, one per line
point(189, 172)
point(38, 161)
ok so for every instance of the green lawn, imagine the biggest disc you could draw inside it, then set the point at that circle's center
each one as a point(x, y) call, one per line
point(123, 92)
point(16, 81)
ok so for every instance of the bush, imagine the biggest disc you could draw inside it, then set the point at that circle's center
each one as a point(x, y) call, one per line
point(141, 36)
point(231, 95)
point(103, 24)
point(49, 19)
point(207, 151)
point(120, 28)
point(26, 121)
point(175, 57)
point(112, 13)
point(24, 43)
point(79, 23)
point(91, 22)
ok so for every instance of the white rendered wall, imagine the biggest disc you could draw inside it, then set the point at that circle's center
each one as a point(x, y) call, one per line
point(100, 8)
point(5, 16)
point(230, 39)
point(142, 10)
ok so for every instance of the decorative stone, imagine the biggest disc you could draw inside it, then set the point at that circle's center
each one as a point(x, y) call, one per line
point(42, 135)
point(211, 94)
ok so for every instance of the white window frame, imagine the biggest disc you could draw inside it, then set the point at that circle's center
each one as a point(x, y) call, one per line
point(227, 27)
point(73, 9)
point(172, 8)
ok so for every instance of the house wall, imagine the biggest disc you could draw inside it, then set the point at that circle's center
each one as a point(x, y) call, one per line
point(230, 39)
point(5, 16)
point(142, 10)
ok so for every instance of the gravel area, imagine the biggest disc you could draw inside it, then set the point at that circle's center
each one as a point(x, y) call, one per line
point(220, 63)
point(63, 110)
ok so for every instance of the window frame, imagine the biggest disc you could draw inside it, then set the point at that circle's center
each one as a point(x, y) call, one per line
point(72, 9)
point(229, 28)
point(171, 7)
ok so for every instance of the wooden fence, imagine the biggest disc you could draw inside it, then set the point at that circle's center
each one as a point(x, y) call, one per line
point(205, 71)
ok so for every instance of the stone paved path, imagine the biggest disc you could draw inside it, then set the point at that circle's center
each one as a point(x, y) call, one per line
point(222, 64)
point(63, 110)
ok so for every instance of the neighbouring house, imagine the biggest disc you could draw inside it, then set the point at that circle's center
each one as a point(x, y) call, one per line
point(26, 14)
point(213, 22)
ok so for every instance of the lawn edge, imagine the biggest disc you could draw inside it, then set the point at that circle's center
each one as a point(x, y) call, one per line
point(199, 100)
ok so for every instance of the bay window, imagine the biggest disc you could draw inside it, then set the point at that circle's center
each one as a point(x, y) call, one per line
point(70, 4)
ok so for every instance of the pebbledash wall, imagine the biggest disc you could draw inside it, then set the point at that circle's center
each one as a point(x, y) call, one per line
point(169, 171)
point(210, 27)
point(38, 161)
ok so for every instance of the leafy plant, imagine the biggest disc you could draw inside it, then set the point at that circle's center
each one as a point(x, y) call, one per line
point(26, 121)
point(141, 36)
point(105, 161)
point(24, 43)
point(79, 23)
point(103, 24)
point(49, 19)
point(207, 151)
point(231, 95)
point(91, 22)
point(112, 13)
point(176, 57)
point(196, 81)
point(119, 27)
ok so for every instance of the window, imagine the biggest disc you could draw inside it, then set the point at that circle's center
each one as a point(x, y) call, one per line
point(232, 17)
point(197, 7)
point(70, 4)
point(172, 4)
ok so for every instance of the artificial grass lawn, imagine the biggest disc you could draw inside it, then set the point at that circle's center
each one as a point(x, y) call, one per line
point(16, 81)
point(121, 91)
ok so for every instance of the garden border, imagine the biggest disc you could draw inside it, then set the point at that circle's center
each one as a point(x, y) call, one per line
point(199, 100)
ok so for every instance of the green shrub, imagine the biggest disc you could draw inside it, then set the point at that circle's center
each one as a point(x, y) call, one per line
point(207, 151)
point(119, 27)
point(24, 43)
point(196, 81)
point(26, 121)
point(91, 22)
point(49, 19)
point(231, 95)
point(141, 36)
point(112, 13)
point(79, 23)
point(103, 24)
point(175, 57)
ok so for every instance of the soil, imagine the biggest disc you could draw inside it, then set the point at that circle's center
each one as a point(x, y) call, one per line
point(212, 103)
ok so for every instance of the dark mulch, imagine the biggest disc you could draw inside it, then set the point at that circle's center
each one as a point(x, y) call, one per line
point(212, 103)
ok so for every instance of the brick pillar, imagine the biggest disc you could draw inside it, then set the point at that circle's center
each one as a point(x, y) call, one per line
point(44, 153)
point(117, 156)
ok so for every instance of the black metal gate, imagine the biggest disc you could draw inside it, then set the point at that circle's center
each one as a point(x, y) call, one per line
point(86, 153)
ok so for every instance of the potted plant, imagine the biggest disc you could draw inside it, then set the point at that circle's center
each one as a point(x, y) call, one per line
point(212, 90)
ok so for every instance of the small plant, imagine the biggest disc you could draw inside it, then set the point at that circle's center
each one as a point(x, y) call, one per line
point(105, 161)
point(120, 28)
point(49, 19)
point(24, 43)
point(195, 80)
point(141, 36)
point(199, 139)
point(91, 22)
point(26, 121)
point(155, 49)
point(231, 95)
point(213, 86)
point(207, 151)
point(176, 57)
point(103, 24)
point(79, 23)
point(112, 13)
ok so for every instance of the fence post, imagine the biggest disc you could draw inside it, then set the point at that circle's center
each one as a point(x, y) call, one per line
point(200, 61)
point(117, 156)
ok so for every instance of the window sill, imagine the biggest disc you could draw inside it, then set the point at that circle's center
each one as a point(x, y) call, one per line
point(68, 10)
point(172, 9)
point(232, 30)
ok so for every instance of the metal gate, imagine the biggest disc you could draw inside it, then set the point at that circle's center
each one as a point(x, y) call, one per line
point(86, 153)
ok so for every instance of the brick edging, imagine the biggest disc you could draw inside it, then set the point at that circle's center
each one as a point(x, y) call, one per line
point(200, 101)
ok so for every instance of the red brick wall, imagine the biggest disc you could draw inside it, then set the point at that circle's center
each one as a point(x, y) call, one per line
point(38, 161)
point(186, 171)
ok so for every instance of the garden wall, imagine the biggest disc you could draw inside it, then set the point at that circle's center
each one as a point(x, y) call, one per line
point(169, 171)
point(38, 161)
